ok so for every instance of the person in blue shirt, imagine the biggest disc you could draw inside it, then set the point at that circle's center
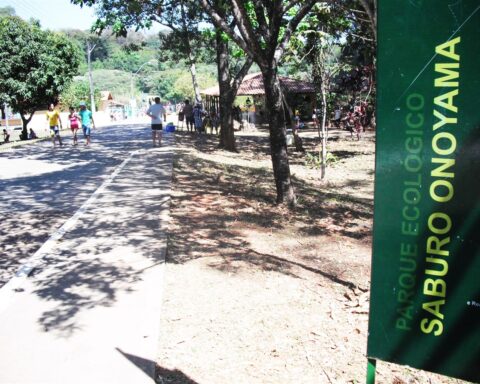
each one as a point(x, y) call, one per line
point(86, 117)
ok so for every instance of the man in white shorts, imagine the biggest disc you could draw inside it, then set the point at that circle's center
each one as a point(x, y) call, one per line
point(156, 111)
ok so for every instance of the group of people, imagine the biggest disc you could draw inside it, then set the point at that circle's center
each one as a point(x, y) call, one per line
point(196, 118)
point(76, 120)
point(6, 136)
point(353, 119)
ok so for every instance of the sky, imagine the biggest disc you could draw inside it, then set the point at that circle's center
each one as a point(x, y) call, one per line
point(53, 14)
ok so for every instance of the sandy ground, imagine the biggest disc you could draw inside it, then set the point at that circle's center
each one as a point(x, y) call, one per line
point(261, 294)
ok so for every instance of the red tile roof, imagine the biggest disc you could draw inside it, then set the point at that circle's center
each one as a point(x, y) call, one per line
point(252, 84)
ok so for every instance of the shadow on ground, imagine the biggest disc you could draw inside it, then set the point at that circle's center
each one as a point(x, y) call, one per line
point(213, 201)
point(115, 241)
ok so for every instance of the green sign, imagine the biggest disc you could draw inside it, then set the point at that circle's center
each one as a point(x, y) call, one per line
point(425, 289)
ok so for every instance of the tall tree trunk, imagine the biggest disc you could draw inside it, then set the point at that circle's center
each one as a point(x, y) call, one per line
point(278, 137)
point(227, 136)
point(324, 130)
point(193, 72)
point(191, 57)
point(90, 49)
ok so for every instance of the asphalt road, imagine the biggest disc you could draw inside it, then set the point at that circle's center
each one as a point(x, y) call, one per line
point(42, 187)
point(83, 243)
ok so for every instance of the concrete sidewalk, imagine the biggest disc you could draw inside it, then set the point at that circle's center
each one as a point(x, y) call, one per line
point(89, 310)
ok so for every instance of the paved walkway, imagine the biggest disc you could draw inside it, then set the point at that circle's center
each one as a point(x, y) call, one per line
point(86, 307)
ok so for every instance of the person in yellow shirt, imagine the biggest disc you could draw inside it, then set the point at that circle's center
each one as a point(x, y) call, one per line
point(55, 124)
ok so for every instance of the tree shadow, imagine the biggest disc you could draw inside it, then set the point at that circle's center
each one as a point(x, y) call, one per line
point(169, 376)
point(160, 374)
point(245, 197)
point(117, 239)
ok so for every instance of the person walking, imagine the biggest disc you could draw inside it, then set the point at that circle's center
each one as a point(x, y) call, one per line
point(188, 113)
point(155, 112)
point(55, 124)
point(74, 122)
point(86, 117)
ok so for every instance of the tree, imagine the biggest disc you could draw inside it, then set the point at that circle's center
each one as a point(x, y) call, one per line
point(35, 66)
point(230, 77)
point(182, 17)
point(184, 42)
point(77, 92)
point(264, 30)
point(318, 43)
point(229, 81)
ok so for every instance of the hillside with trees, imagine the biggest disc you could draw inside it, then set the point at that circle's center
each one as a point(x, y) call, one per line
point(136, 65)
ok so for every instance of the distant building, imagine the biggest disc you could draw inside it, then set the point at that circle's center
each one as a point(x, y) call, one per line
point(106, 99)
point(299, 95)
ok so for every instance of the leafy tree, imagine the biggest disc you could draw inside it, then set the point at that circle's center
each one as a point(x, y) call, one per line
point(123, 61)
point(35, 66)
point(230, 77)
point(263, 30)
point(319, 43)
point(103, 47)
point(184, 43)
point(78, 91)
point(182, 17)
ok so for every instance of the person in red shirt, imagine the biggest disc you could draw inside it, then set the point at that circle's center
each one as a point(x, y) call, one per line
point(74, 122)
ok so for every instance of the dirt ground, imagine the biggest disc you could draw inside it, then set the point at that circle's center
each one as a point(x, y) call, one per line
point(257, 293)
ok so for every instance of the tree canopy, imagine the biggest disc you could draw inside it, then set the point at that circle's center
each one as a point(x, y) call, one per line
point(35, 66)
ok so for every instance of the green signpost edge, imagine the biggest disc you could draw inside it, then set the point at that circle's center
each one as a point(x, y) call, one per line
point(425, 285)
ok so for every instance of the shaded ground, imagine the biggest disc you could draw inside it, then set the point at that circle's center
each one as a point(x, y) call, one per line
point(42, 187)
point(259, 294)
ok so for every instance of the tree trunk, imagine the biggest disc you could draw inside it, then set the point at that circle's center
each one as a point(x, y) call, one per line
point(278, 137)
point(90, 49)
point(187, 40)
point(193, 72)
point(227, 136)
point(324, 130)
point(25, 121)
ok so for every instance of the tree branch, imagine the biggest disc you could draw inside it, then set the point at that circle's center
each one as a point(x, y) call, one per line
point(220, 23)
point(244, 25)
point(237, 81)
point(262, 22)
point(291, 4)
point(307, 5)
point(371, 15)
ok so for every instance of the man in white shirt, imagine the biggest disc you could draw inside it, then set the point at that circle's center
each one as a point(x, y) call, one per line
point(156, 111)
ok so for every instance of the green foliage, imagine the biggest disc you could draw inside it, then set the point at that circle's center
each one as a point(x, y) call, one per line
point(183, 85)
point(314, 160)
point(102, 44)
point(78, 91)
point(35, 65)
point(115, 81)
point(176, 83)
point(124, 61)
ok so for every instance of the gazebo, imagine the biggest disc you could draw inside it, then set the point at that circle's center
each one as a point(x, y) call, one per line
point(300, 95)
